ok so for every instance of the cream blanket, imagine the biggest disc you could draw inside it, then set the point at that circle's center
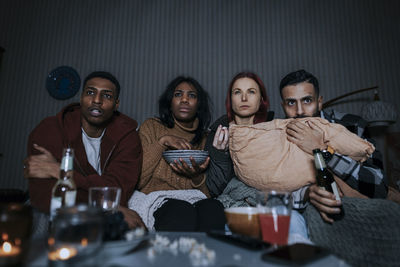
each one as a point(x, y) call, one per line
point(146, 204)
point(263, 157)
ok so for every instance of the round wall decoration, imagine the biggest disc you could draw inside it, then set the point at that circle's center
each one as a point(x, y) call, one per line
point(63, 82)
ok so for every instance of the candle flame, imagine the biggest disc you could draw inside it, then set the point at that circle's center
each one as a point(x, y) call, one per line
point(64, 253)
point(50, 241)
point(84, 242)
point(4, 236)
point(7, 247)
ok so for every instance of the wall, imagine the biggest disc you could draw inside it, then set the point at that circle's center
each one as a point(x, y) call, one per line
point(347, 44)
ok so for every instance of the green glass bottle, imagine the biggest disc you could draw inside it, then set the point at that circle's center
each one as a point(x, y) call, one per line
point(64, 191)
point(326, 181)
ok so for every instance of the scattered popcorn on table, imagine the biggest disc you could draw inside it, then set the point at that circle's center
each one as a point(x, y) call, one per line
point(173, 247)
point(151, 254)
point(160, 244)
point(135, 234)
point(237, 257)
point(199, 254)
point(186, 244)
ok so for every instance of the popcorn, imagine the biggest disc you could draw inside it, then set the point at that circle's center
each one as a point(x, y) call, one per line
point(173, 247)
point(237, 257)
point(199, 254)
point(161, 243)
point(151, 254)
point(186, 244)
point(135, 234)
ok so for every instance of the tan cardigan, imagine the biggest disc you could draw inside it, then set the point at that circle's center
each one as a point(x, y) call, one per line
point(156, 172)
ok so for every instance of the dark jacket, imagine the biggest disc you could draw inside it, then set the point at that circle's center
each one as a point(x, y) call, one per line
point(220, 170)
point(121, 155)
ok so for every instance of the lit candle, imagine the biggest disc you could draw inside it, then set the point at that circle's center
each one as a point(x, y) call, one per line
point(84, 242)
point(63, 253)
point(8, 250)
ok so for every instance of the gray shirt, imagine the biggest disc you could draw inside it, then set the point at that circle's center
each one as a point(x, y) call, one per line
point(92, 148)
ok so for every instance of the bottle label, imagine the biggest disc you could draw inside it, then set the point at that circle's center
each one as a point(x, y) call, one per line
point(319, 161)
point(54, 205)
point(335, 190)
point(67, 163)
point(70, 197)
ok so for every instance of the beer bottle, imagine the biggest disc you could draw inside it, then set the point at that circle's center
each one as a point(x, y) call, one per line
point(326, 181)
point(64, 191)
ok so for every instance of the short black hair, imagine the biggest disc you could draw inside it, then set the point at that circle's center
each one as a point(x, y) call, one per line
point(104, 75)
point(299, 76)
point(203, 110)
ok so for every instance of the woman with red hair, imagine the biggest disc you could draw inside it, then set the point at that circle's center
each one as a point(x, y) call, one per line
point(241, 89)
point(246, 103)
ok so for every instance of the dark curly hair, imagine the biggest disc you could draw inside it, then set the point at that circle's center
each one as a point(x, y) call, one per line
point(203, 110)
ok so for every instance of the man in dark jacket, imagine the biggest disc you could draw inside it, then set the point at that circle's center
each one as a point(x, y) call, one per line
point(107, 147)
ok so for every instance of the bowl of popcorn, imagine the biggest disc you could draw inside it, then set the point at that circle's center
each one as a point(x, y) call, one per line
point(199, 156)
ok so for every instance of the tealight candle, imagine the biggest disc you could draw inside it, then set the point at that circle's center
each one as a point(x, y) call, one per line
point(75, 236)
point(63, 253)
point(16, 226)
point(8, 250)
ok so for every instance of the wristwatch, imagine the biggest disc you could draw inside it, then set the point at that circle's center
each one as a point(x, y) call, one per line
point(327, 154)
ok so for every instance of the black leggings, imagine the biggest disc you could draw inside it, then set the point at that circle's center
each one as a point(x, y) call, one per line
point(181, 216)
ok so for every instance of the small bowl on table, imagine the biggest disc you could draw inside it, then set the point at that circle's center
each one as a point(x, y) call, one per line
point(243, 221)
point(199, 156)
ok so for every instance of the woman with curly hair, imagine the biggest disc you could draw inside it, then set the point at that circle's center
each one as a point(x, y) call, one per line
point(177, 193)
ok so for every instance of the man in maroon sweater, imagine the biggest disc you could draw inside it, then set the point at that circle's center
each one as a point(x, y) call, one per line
point(107, 147)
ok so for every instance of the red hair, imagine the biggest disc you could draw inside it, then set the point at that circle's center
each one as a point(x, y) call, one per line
point(261, 114)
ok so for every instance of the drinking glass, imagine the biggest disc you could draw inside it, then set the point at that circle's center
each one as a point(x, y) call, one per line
point(75, 236)
point(106, 198)
point(274, 210)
